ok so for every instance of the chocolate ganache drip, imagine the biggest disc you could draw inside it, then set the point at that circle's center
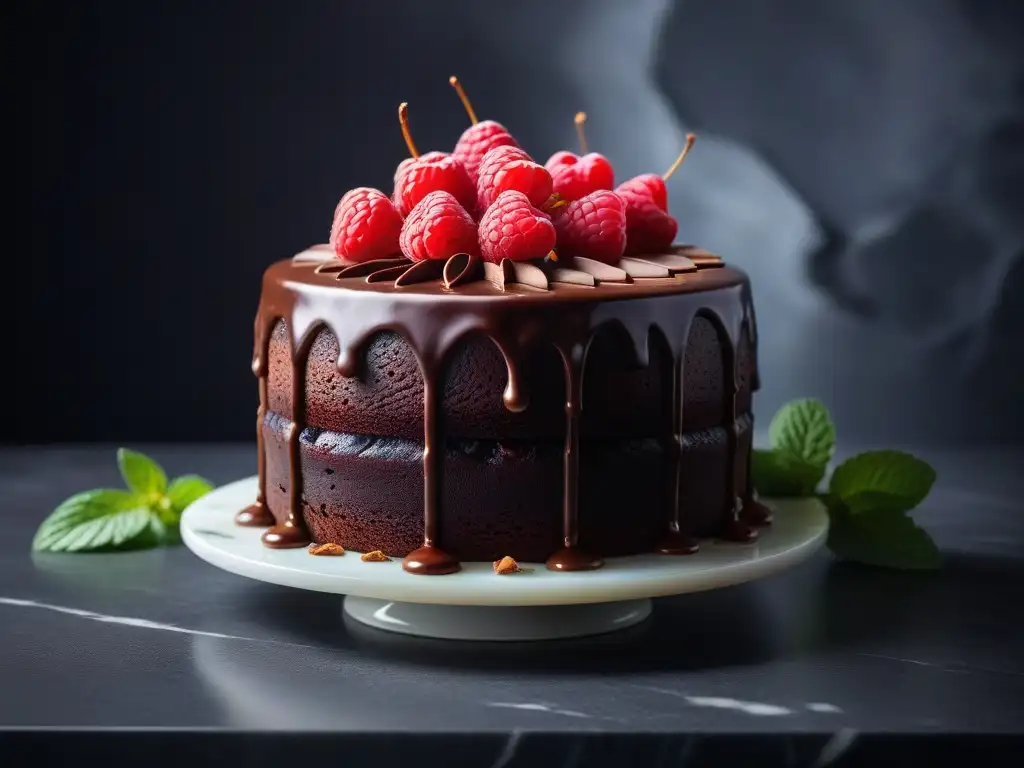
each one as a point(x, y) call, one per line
point(433, 306)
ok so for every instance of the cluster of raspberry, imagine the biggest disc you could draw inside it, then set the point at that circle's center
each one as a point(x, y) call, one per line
point(489, 198)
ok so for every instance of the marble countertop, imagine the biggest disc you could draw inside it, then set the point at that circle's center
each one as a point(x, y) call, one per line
point(821, 660)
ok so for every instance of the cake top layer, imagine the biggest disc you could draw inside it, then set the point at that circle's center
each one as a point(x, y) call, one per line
point(436, 311)
point(678, 270)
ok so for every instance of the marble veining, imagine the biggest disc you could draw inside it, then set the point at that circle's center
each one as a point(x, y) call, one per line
point(508, 752)
point(130, 621)
point(835, 747)
point(538, 707)
point(750, 707)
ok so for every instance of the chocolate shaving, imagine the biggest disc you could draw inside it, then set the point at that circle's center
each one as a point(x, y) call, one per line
point(637, 268)
point(388, 273)
point(708, 262)
point(501, 275)
point(530, 274)
point(421, 272)
point(571, 277)
point(701, 258)
point(329, 268)
point(369, 267)
point(670, 261)
point(315, 254)
point(605, 273)
point(460, 269)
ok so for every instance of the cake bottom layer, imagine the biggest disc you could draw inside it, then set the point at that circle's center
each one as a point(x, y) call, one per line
point(499, 498)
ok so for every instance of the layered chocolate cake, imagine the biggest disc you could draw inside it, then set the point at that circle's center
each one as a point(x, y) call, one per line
point(457, 419)
point(503, 359)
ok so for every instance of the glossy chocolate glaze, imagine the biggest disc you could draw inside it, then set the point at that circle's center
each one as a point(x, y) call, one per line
point(517, 314)
point(257, 514)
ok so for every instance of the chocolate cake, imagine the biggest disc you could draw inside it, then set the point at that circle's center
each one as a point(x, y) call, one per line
point(460, 410)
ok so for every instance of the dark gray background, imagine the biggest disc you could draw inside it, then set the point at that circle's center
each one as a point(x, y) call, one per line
point(862, 159)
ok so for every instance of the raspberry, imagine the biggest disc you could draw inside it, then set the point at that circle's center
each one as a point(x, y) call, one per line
point(366, 226)
point(647, 185)
point(432, 172)
point(649, 229)
point(510, 168)
point(513, 229)
point(575, 177)
point(593, 226)
point(437, 228)
point(649, 226)
point(476, 141)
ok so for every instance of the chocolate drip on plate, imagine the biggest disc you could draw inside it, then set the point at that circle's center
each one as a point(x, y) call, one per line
point(570, 557)
point(428, 560)
point(257, 515)
point(292, 532)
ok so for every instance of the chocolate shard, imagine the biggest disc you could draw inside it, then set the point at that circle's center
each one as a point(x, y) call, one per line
point(670, 261)
point(531, 275)
point(571, 277)
point(708, 262)
point(462, 268)
point(701, 258)
point(501, 275)
point(421, 272)
point(387, 274)
point(606, 273)
point(639, 268)
point(315, 254)
point(365, 268)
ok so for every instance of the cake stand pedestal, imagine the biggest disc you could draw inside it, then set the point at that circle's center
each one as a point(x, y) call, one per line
point(477, 604)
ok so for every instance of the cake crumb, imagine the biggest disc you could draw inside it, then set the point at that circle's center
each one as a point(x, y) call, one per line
point(328, 548)
point(374, 557)
point(506, 566)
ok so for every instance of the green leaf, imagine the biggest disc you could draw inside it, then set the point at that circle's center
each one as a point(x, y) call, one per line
point(881, 481)
point(878, 537)
point(185, 489)
point(141, 474)
point(780, 474)
point(99, 520)
point(804, 429)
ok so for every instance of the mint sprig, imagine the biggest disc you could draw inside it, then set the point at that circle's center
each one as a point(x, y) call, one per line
point(145, 515)
point(868, 496)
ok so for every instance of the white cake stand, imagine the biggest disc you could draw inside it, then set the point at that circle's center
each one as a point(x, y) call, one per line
point(477, 604)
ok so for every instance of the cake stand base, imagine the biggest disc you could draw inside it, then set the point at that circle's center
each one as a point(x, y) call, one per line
point(477, 604)
point(487, 622)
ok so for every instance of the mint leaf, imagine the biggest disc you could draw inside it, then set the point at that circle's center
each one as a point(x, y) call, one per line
point(185, 489)
point(141, 474)
point(881, 481)
point(804, 429)
point(780, 474)
point(881, 538)
point(95, 520)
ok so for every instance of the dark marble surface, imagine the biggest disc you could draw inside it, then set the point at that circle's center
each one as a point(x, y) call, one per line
point(826, 656)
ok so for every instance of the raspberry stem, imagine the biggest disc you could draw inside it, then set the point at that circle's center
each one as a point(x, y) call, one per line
point(454, 82)
point(581, 118)
point(690, 138)
point(403, 120)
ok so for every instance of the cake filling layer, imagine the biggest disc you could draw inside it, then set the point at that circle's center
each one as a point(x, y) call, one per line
point(499, 497)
